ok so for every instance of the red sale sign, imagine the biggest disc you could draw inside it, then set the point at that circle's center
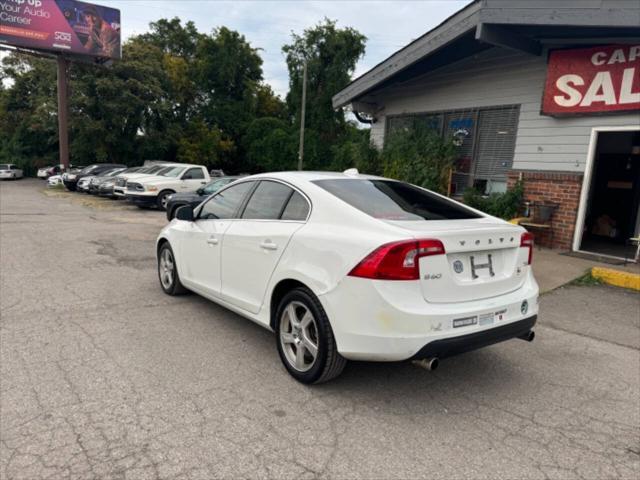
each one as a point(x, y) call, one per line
point(592, 80)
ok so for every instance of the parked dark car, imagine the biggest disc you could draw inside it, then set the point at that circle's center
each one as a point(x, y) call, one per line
point(70, 179)
point(108, 176)
point(178, 200)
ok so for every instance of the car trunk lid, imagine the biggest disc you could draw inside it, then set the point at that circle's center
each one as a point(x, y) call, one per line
point(482, 259)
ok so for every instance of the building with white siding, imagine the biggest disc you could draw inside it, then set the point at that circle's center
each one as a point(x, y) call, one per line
point(543, 91)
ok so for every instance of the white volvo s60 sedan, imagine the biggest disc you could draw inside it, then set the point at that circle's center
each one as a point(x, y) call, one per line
point(347, 266)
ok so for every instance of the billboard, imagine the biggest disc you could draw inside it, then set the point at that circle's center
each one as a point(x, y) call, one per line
point(70, 26)
point(592, 80)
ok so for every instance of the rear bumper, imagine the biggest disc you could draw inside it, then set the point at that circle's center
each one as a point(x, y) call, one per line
point(141, 200)
point(448, 347)
point(391, 321)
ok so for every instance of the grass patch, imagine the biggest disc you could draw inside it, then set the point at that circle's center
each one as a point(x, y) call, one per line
point(586, 280)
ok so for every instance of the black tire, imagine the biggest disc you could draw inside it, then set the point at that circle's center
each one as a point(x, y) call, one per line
point(328, 363)
point(161, 201)
point(173, 287)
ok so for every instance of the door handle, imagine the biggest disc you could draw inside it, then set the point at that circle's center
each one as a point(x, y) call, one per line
point(268, 245)
point(203, 183)
point(212, 241)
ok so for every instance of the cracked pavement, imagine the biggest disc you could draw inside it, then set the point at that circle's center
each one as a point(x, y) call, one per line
point(104, 376)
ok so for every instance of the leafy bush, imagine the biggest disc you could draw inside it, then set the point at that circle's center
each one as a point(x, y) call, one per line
point(503, 205)
point(419, 155)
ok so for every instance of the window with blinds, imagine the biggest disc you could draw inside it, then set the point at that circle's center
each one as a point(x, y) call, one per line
point(486, 139)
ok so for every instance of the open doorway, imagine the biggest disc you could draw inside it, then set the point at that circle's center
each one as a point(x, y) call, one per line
point(611, 213)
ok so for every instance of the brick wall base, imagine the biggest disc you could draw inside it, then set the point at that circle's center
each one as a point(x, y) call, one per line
point(552, 187)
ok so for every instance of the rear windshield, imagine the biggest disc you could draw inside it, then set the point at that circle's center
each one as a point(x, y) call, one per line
point(390, 200)
point(4, 166)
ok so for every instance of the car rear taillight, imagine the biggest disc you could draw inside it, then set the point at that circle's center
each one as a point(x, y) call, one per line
point(526, 241)
point(397, 260)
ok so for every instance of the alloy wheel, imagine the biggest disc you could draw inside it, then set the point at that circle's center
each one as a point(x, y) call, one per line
point(299, 336)
point(166, 268)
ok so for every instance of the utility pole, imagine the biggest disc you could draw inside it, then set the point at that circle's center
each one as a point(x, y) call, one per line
point(63, 111)
point(302, 114)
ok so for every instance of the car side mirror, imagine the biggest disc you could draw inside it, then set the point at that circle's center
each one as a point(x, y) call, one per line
point(200, 191)
point(185, 213)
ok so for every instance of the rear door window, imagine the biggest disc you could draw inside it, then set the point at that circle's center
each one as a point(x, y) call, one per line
point(297, 208)
point(268, 201)
point(391, 200)
point(225, 204)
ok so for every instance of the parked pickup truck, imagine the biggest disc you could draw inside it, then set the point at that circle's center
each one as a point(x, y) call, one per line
point(154, 190)
point(120, 182)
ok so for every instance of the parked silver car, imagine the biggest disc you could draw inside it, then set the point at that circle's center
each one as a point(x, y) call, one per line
point(9, 171)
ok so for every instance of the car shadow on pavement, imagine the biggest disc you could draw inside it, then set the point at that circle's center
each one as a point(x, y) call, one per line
point(473, 368)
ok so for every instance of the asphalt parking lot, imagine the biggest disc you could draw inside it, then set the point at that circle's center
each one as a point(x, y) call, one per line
point(104, 376)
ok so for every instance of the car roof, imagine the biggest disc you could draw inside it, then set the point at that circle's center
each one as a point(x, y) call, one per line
point(304, 176)
point(179, 165)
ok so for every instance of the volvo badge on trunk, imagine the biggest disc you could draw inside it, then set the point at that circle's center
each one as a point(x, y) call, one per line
point(458, 267)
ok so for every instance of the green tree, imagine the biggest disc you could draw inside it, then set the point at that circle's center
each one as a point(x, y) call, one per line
point(28, 112)
point(113, 108)
point(179, 94)
point(331, 54)
point(173, 38)
point(356, 151)
point(200, 144)
point(270, 145)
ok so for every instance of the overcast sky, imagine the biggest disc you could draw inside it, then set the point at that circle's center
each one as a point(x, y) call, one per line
point(388, 25)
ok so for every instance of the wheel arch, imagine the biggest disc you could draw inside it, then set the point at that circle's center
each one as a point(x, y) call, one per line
point(161, 241)
point(277, 294)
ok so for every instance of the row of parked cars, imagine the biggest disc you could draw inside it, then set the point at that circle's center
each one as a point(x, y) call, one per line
point(163, 185)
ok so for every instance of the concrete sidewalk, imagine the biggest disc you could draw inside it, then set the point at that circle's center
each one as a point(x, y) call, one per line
point(554, 269)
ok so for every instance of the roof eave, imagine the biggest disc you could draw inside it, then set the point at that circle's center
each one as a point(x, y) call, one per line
point(455, 26)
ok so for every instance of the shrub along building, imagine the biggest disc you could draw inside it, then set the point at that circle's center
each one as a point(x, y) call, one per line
point(543, 91)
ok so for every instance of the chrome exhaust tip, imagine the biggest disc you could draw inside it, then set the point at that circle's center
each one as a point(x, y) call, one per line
point(427, 363)
point(529, 336)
